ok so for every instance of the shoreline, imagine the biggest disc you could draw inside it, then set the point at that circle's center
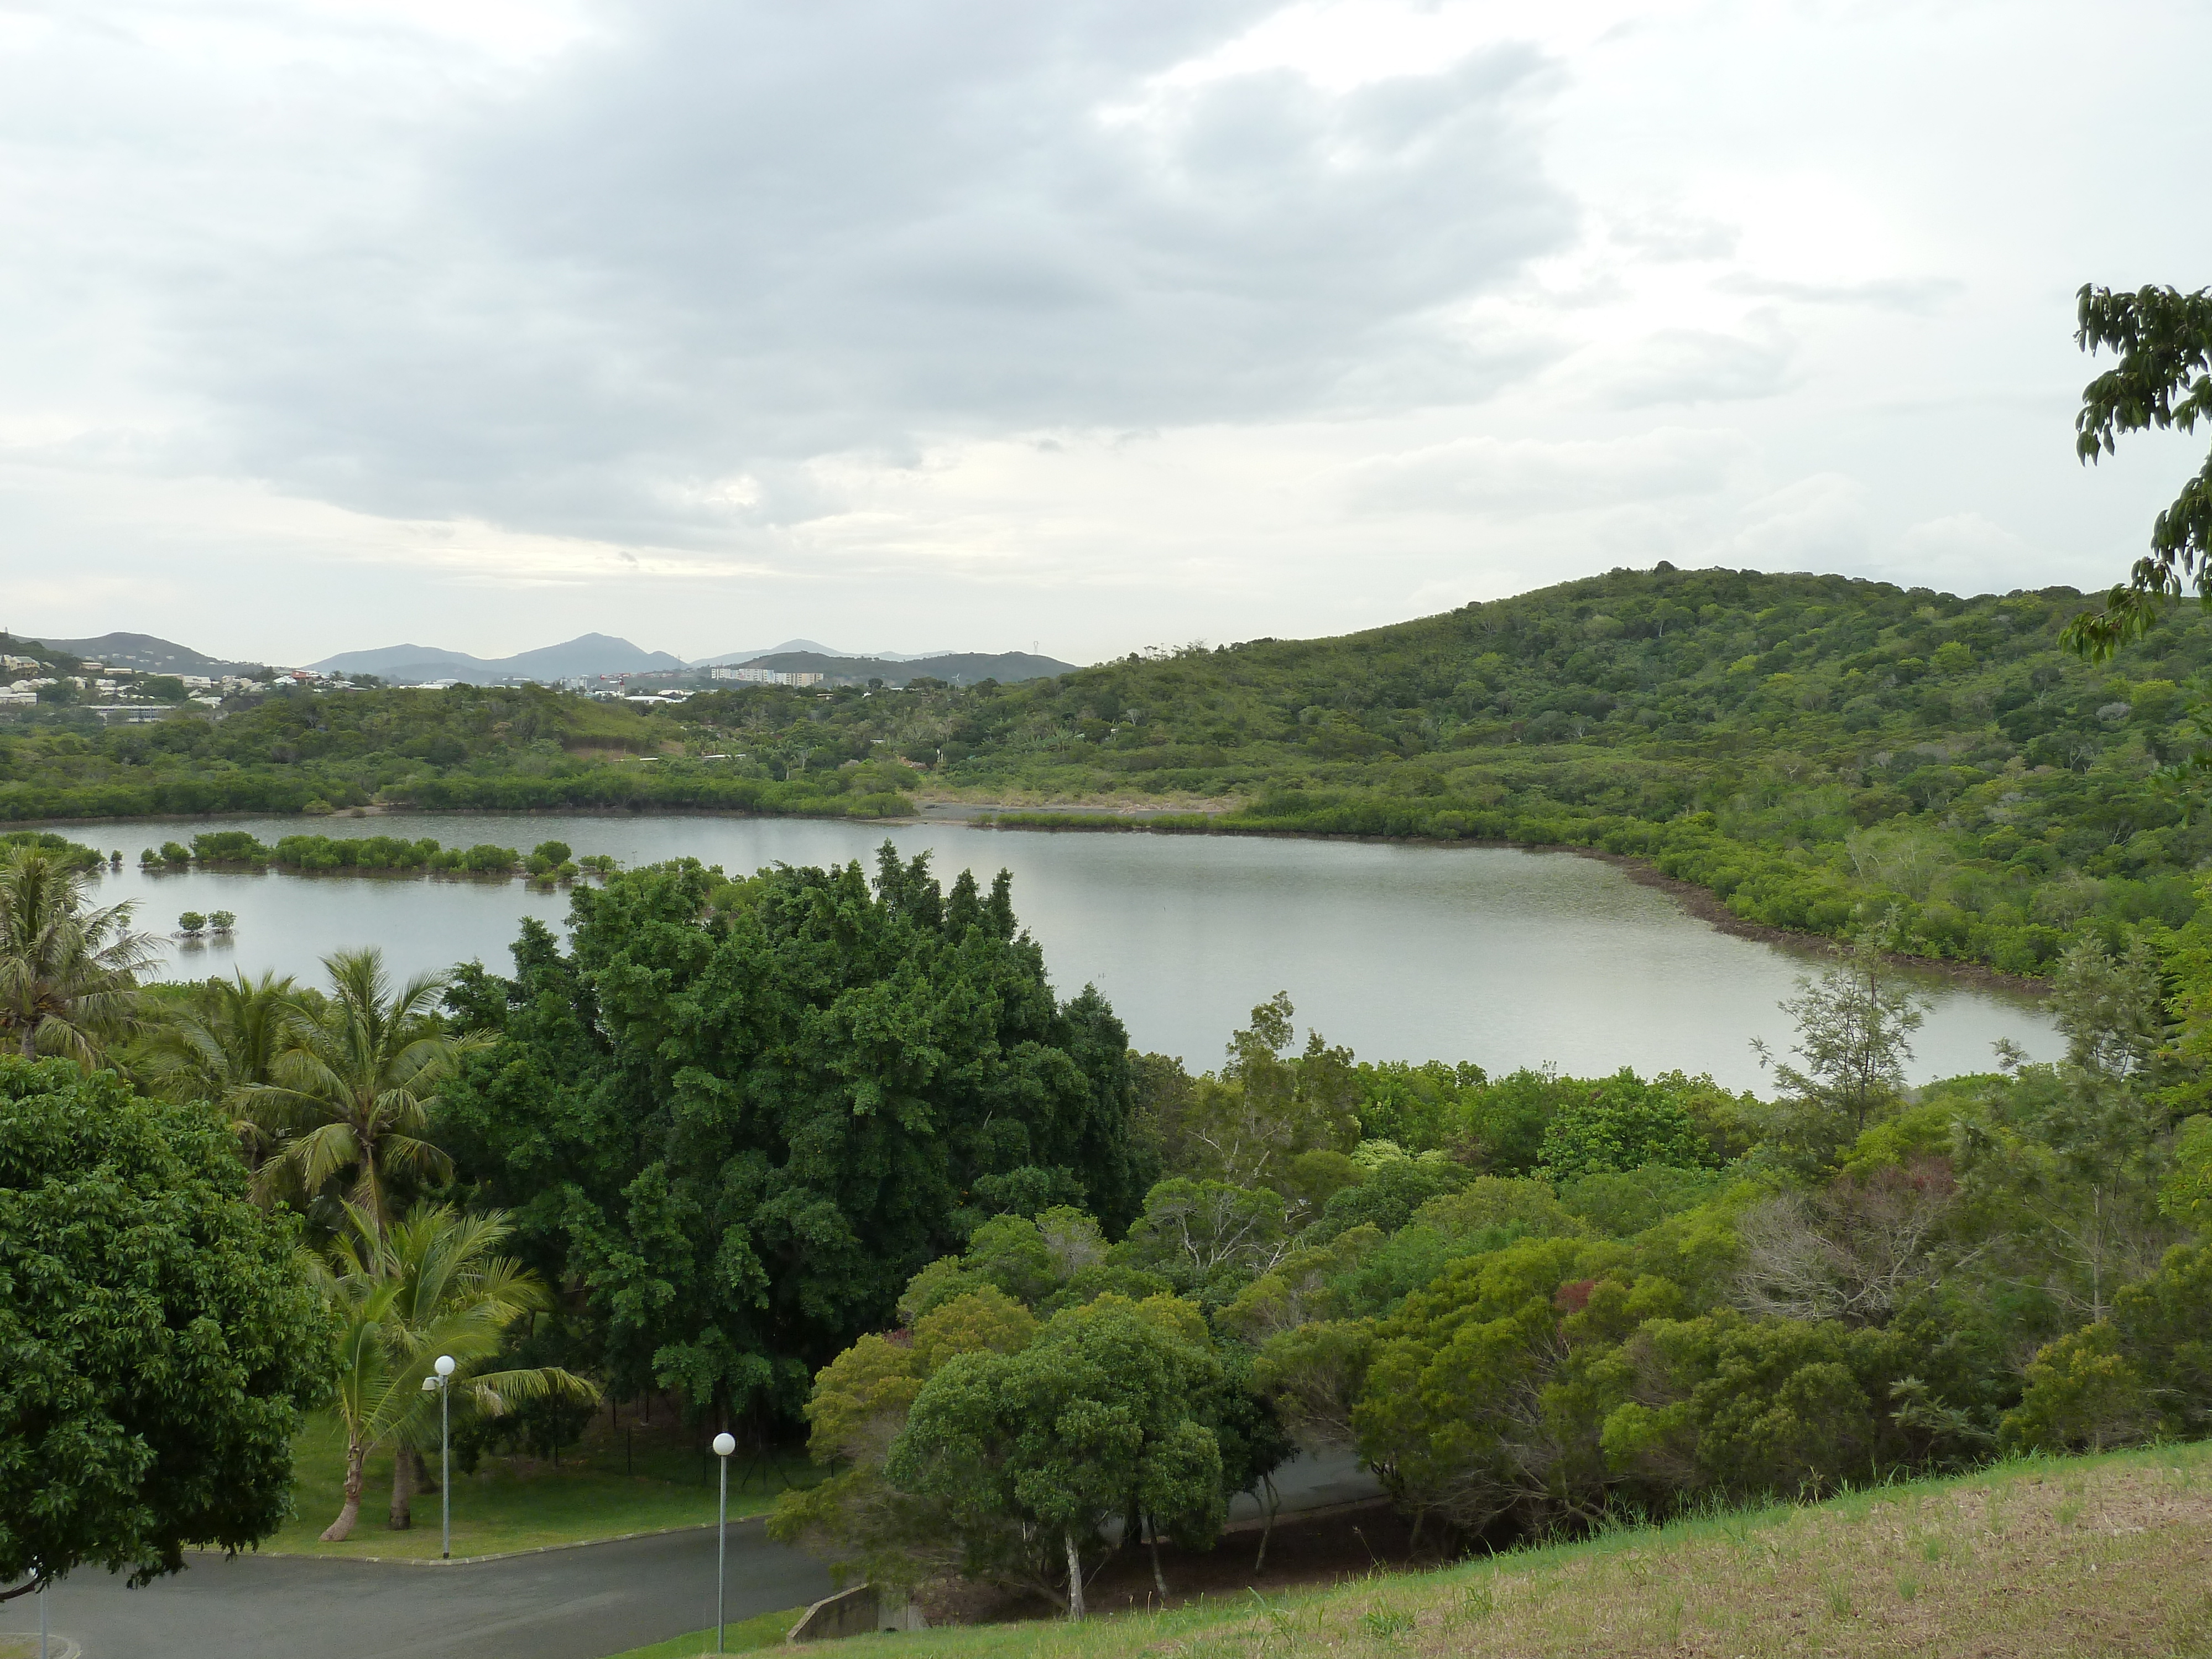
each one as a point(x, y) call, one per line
point(1698, 901)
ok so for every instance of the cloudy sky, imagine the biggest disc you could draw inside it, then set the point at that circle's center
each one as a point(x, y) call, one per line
point(1097, 324)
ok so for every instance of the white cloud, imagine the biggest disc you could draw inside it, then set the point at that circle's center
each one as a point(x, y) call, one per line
point(1500, 478)
point(704, 321)
point(1815, 524)
point(1705, 366)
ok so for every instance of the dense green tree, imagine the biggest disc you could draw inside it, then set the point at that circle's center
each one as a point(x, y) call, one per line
point(857, 1518)
point(221, 1043)
point(159, 1340)
point(1623, 1123)
point(69, 970)
point(743, 1114)
point(351, 1106)
point(1093, 1422)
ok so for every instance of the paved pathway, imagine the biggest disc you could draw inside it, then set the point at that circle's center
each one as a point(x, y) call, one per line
point(561, 1604)
point(582, 1603)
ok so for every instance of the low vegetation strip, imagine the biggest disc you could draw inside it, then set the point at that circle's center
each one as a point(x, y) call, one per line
point(2080, 1557)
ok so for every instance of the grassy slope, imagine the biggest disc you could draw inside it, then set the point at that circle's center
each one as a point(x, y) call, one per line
point(509, 1506)
point(765, 1630)
point(2076, 1557)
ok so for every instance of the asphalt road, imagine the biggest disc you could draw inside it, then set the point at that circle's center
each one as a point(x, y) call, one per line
point(580, 1604)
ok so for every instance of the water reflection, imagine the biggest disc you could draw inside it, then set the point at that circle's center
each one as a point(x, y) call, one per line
point(1503, 956)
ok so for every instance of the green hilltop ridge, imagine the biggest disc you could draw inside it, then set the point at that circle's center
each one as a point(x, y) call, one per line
point(1817, 751)
point(1821, 753)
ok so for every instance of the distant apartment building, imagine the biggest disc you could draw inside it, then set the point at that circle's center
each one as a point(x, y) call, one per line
point(767, 677)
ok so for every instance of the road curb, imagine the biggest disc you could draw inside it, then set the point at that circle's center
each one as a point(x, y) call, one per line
point(736, 1522)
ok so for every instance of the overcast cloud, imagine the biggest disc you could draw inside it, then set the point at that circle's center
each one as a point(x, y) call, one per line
point(335, 322)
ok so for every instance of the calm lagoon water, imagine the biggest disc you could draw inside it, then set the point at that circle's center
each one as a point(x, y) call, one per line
point(1507, 958)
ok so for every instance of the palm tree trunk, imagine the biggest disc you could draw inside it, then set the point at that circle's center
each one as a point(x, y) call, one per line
point(402, 1487)
point(340, 1529)
point(30, 1040)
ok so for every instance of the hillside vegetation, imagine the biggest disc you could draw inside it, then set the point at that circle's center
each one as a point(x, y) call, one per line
point(301, 750)
point(1819, 752)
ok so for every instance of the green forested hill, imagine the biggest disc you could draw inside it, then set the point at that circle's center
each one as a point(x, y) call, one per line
point(1816, 750)
point(1819, 752)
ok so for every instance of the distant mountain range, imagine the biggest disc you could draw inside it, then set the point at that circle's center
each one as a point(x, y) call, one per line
point(588, 655)
point(817, 648)
point(953, 667)
point(148, 655)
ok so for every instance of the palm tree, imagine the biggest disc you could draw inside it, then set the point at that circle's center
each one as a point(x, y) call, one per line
point(68, 972)
point(406, 1292)
point(353, 1092)
point(221, 1045)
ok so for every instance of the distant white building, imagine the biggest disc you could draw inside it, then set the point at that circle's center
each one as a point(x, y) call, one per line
point(767, 677)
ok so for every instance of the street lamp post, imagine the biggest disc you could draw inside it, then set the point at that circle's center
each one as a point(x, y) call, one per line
point(443, 1382)
point(724, 1445)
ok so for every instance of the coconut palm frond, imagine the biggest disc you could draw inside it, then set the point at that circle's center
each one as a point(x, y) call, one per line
point(496, 1393)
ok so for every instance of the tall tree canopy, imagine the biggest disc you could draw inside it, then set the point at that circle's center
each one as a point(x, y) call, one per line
point(2164, 379)
point(157, 1338)
point(69, 970)
point(744, 1113)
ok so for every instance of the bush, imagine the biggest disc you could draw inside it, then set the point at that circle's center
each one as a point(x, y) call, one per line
point(1618, 1124)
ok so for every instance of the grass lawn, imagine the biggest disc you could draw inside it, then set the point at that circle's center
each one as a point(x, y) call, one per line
point(764, 1630)
point(519, 1504)
point(2081, 1556)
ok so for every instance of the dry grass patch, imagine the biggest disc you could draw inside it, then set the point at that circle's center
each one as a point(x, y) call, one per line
point(2107, 1561)
point(2079, 1557)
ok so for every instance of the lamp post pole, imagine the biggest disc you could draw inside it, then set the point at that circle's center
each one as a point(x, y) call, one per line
point(724, 1445)
point(445, 1456)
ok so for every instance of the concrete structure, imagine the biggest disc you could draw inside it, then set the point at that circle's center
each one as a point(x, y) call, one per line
point(863, 1610)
